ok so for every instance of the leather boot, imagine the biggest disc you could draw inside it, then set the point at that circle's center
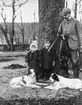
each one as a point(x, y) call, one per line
point(76, 73)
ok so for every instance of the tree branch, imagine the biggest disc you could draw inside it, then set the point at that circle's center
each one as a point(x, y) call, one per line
point(10, 5)
point(79, 2)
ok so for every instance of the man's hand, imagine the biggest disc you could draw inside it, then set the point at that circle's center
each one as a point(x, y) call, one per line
point(62, 35)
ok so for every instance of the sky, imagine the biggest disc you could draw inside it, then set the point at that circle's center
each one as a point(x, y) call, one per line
point(27, 10)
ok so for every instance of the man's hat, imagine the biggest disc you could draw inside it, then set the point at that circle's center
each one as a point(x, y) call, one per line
point(66, 11)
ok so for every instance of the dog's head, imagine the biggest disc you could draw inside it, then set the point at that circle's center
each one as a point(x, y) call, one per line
point(29, 76)
point(31, 72)
point(54, 77)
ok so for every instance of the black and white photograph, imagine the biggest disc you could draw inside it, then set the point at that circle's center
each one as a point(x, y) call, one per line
point(41, 52)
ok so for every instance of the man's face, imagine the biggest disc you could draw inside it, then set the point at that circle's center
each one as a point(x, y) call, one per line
point(66, 16)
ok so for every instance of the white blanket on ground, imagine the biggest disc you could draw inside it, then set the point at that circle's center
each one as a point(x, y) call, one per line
point(23, 81)
point(71, 83)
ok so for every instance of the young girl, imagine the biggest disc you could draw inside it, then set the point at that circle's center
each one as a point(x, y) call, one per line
point(33, 59)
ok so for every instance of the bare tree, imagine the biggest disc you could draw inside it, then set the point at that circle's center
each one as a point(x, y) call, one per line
point(75, 11)
point(77, 2)
point(4, 28)
point(22, 30)
point(13, 4)
point(66, 3)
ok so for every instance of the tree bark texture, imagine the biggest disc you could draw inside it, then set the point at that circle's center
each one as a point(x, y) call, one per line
point(49, 19)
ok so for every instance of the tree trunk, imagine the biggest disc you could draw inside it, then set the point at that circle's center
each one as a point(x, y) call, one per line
point(22, 40)
point(13, 18)
point(75, 11)
point(7, 41)
point(49, 19)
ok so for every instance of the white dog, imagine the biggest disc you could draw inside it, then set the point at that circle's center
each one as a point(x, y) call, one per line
point(63, 82)
point(27, 81)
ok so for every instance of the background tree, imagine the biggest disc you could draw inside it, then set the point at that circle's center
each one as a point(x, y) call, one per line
point(49, 20)
point(66, 3)
point(4, 29)
point(77, 2)
point(76, 7)
point(21, 30)
point(13, 4)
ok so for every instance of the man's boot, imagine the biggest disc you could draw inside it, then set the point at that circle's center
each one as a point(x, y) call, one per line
point(76, 73)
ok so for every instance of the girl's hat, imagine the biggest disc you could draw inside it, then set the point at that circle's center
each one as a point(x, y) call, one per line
point(35, 42)
point(34, 46)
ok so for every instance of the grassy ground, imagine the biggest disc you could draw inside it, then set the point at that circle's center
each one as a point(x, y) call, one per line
point(26, 95)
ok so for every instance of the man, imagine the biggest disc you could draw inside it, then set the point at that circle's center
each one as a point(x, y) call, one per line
point(71, 28)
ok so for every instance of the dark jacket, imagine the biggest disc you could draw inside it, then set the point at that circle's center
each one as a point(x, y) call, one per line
point(47, 59)
point(33, 60)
